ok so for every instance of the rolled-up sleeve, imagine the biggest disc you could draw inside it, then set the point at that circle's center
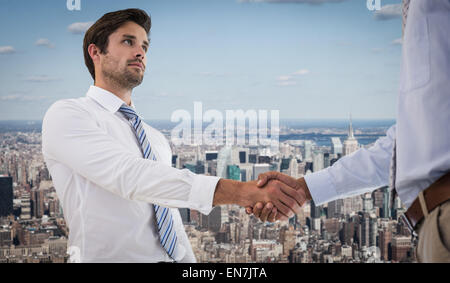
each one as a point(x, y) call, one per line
point(71, 136)
point(360, 172)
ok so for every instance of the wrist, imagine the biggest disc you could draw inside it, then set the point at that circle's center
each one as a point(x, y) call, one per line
point(227, 192)
point(304, 186)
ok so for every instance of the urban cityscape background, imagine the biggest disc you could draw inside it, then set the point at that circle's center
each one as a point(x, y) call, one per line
point(358, 229)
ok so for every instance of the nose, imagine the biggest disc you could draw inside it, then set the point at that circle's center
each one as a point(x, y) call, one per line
point(140, 53)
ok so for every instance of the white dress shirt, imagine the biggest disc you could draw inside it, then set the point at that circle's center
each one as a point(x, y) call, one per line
point(105, 185)
point(422, 132)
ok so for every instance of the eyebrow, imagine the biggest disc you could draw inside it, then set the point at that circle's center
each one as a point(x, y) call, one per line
point(134, 37)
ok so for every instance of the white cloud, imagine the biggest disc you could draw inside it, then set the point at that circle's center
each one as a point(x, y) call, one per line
point(79, 28)
point(301, 72)
point(388, 12)
point(41, 79)
point(7, 50)
point(287, 83)
point(398, 41)
point(284, 78)
point(311, 2)
point(44, 42)
point(16, 97)
point(290, 80)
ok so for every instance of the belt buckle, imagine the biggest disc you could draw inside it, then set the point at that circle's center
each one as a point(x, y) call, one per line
point(406, 221)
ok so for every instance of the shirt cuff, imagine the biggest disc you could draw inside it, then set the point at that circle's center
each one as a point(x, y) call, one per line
point(202, 193)
point(321, 187)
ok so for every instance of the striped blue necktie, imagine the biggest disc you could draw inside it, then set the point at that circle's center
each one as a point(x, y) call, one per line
point(164, 220)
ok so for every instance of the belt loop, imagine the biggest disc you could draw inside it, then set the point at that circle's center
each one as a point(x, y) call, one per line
point(423, 204)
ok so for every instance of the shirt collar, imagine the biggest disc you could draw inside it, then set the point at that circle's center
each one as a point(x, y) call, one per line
point(106, 99)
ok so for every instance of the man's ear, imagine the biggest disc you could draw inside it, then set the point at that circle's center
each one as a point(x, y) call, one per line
point(94, 52)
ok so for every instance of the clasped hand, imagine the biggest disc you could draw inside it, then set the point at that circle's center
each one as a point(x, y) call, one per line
point(281, 197)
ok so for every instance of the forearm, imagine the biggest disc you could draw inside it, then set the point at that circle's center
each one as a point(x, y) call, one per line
point(360, 172)
point(231, 192)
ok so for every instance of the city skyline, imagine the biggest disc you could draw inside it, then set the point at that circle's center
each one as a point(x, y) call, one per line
point(360, 228)
point(307, 61)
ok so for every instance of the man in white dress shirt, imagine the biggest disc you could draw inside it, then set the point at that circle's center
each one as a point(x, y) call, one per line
point(417, 148)
point(110, 193)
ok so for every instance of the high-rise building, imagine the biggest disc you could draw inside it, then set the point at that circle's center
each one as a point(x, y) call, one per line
point(239, 155)
point(347, 232)
point(37, 201)
point(223, 160)
point(174, 160)
point(293, 168)
point(259, 169)
point(211, 155)
point(234, 172)
point(335, 208)
point(385, 212)
point(401, 246)
point(350, 144)
point(285, 164)
point(373, 230)
point(336, 145)
point(352, 204)
point(385, 237)
point(326, 160)
point(285, 150)
point(263, 159)
point(287, 239)
point(308, 150)
point(317, 161)
point(185, 215)
point(26, 207)
point(367, 202)
point(365, 230)
point(5, 237)
point(378, 196)
point(246, 172)
point(197, 168)
point(6, 196)
point(215, 219)
point(315, 210)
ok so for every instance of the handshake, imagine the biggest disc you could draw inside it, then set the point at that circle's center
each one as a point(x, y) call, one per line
point(274, 196)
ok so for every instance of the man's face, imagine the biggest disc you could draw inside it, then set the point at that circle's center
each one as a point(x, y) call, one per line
point(125, 59)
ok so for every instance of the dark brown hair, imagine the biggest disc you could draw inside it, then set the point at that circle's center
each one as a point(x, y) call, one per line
point(99, 32)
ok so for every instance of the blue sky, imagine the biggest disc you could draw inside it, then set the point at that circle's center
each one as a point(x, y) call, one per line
point(306, 58)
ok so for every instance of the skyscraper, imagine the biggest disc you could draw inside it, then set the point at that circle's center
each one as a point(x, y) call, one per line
point(223, 160)
point(293, 168)
point(308, 150)
point(233, 172)
point(337, 145)
point(317, 161)
point(259, 169)
point(315, 210)
point(350, 144)
point(185, 215)
point(401, 246)
point(6, 196)
point(385, 236)
point(37, 200)
point(367, 202)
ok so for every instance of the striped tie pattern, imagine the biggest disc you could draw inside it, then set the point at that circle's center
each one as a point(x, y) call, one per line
point(164, 220)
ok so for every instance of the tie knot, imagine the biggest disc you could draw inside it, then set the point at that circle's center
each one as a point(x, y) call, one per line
point(128, 112)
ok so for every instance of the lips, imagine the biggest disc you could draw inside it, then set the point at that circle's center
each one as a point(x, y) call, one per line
point(139, 65)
